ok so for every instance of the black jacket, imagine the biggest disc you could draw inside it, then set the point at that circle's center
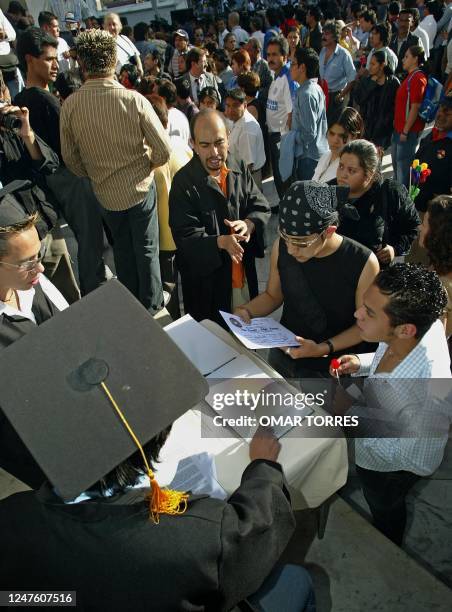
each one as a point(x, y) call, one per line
point(376, 103)
point(438, 155)
point(386, 216)
point(412, 40)
point(208, 559)
point(315, 38)
point(197, 209)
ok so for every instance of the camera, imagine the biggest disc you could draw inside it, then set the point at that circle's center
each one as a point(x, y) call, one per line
point(9, 121)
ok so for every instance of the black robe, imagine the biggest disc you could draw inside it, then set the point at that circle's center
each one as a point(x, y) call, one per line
point(210, 558)
point(15, 458)
point(197, 209)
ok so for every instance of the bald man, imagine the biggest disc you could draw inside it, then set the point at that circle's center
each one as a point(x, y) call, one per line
point(218, 218)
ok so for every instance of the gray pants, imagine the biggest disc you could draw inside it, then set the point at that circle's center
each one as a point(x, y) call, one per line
point(81, 209)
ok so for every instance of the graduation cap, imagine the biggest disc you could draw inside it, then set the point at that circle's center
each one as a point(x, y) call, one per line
point(89, 386)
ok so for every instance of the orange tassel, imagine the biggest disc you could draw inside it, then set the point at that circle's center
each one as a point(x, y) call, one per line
point(165, 501)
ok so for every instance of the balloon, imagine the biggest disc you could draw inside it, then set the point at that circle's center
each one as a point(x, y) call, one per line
point(415, 163)
point(424, 166)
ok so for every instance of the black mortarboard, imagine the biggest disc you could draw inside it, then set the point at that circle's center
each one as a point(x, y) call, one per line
point(51, 391)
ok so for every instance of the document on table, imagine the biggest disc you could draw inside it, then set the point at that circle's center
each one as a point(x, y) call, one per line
point(205, 350)
point(198, 475)
point(262, 332)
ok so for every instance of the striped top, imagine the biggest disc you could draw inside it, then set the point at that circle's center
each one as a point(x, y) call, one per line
point(113, 136)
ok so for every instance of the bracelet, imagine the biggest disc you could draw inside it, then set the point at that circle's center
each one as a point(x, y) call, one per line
point(330, 346)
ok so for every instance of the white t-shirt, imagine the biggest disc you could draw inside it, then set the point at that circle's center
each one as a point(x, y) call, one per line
point(246, 142)
point(63, 63)
point(326, 169)
point(124, 49)
point(279, 103)
point(428, 24)
point(10, 32)
point(178, 125)
point(26, 300)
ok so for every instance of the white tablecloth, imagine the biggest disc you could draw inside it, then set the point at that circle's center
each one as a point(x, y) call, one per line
point(315, 468)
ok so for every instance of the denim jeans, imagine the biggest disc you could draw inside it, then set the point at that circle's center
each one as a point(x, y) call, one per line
point(288, 588)
point(402, 154)
point(135, 234)
point(305, 168)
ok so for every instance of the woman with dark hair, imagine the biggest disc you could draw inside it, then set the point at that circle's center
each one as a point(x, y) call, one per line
point(348, 126)
point(379, 41)
point(294, 40)
point(436, 237)
point(408, 126)
point(376, 95)
point(379, 213)
point(129, 76)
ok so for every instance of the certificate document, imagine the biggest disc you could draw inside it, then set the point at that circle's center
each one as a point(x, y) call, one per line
point(262, 332)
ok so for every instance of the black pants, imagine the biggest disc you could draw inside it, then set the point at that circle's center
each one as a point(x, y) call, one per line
point(135, 235)
point(386, 492)
point(81, 209)
point(274, 140)
point(168, 272)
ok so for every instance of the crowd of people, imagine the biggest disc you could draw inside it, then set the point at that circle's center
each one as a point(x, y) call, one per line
point(156, 140)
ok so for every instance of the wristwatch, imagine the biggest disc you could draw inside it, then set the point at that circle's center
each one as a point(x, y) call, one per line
point(330, 346)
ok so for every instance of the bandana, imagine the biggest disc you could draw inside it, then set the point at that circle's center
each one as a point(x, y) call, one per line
point(310, 207)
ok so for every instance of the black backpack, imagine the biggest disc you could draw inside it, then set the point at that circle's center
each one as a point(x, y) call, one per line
point(32, 199)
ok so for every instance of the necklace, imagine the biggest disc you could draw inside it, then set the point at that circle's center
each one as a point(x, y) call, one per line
point(11, 296)
point(391, 353)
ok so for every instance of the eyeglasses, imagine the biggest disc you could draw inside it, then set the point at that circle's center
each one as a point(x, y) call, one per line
point(27, 266)
point(298, 242)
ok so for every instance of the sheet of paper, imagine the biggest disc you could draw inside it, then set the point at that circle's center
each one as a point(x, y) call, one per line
point(240, 367)
point(206, 351)
point(198, 475)
point(262, 332)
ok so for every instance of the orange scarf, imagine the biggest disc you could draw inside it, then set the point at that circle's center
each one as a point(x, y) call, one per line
point(238, 269)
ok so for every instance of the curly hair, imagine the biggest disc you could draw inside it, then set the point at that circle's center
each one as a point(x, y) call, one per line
point(96, 50)
point(416, 296)
point(439, 237)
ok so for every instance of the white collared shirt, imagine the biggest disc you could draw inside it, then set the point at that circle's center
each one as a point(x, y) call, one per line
point(412, 398)
point(26, 300)
point(194, 89)
point(246, 142)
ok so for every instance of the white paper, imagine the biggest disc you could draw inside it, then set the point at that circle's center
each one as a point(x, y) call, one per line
point(262, 332)
point(240, 367)
point(205, 350)
point(198, 475)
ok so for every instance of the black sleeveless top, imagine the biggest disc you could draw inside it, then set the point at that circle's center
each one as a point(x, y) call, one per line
point(12, 328)
point(319, 295)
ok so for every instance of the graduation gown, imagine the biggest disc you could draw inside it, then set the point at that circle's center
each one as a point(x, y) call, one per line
point(197, 209)
point(15, 458)
point(210, 558)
